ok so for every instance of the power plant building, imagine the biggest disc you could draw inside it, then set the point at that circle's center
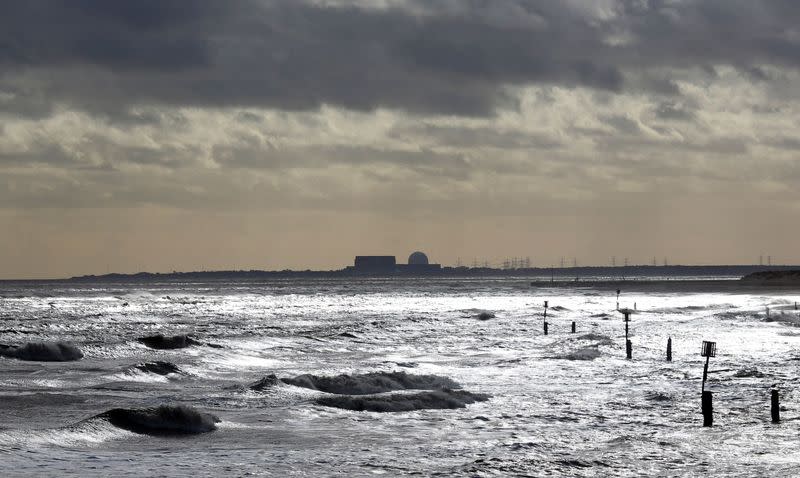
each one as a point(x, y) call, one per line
point(370, 265)
point(375, 264)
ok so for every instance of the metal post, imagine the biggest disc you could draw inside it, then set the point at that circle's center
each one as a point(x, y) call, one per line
point(705, 373)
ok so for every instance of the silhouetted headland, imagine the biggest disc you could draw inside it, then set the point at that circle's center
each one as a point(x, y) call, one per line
point(774, 277)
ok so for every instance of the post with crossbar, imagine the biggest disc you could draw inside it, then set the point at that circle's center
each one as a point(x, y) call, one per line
point(628, 344)
point(707, 350)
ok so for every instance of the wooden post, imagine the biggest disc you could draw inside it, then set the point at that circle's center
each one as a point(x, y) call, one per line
point(628, 344)
point(776, 407)
point(768, 312)
point(708, 409)
point(618, 299)
point(707, 350)
point(669, 349)
point(545, 317)
point(573, 326)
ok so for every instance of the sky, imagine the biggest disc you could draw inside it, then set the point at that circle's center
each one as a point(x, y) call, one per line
point(166, 135)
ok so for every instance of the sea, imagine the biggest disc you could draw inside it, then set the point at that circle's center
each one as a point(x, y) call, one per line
point(401, 377)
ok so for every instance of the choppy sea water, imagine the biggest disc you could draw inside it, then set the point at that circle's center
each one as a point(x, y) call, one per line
point(561, 405)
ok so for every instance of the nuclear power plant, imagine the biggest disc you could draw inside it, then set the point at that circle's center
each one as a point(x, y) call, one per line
point(417, 264)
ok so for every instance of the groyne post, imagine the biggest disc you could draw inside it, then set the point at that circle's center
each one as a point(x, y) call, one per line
point(628, 344)
point(618, 291)
point(627, 319)
point(776, 407)
point(707, 350)
point(545, 317)
point(708, 409)
point(573, 326)
point(669, 349)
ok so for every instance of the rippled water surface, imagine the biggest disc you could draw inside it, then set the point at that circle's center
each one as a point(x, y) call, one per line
point(562, 404)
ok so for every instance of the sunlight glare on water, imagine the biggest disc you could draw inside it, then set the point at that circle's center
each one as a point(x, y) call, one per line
point(562, 404)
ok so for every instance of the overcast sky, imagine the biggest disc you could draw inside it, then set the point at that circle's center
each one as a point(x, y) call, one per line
point(174, 135)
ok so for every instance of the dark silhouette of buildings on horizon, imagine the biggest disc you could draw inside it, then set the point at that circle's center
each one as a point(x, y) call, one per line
point(370, 265)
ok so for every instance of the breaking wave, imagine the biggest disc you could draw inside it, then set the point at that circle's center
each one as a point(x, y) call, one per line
point(748, 373)
point(162, 342)
point(369, 383)
point(589, 352)
point(162, 420)
point(158, 367)
point(264, 383)
point(599, 338)
point(439, 399)
point(43, 352)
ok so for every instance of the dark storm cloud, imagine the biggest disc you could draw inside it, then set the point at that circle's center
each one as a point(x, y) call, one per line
point(434, 56)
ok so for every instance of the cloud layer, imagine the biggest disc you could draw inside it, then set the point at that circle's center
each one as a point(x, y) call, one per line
point(410, 111)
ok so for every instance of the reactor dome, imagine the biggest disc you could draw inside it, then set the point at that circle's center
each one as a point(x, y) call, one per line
point(418, 259)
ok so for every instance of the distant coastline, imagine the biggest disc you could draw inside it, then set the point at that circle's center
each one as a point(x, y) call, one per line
point(543, 273)
point(774, 277)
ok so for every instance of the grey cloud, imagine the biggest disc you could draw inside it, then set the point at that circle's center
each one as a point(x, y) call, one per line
point(673, 111)
point(642, 146)
point(463, 137)
point(623, 124)
point(453, 58)
point(787, 143)
point(253, 153)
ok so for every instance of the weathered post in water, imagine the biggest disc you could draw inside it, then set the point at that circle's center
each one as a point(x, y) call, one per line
point(708, 409)
point(707, 350)
point(776, 407)
point(628, 344)
point(618, 291)
point(573, 326)
point(545, 317)
point(669, 349)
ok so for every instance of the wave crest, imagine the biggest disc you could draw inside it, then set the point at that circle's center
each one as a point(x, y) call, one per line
point(439, 399)
point(43, 352)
